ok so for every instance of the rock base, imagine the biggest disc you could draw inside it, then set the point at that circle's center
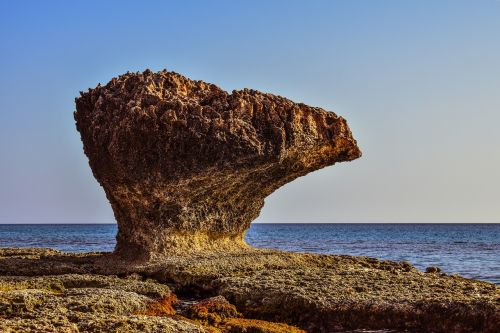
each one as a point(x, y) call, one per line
point(166, 243)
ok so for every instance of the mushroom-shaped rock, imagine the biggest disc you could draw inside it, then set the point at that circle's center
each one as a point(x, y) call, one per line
point(186, 166)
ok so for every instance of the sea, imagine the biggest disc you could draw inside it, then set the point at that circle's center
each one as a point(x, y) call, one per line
point(471, 250)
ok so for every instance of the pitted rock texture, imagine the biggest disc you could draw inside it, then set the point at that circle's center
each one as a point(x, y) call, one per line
point(317, 293)
point(186, 166)
point(88, 303)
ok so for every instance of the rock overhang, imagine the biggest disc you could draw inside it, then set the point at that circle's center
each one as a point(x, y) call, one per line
point(186, 166)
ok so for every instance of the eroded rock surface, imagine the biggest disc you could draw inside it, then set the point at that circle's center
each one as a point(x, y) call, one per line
point(92, 303)
point(318, 293)
point(186, 165)
point(85, 303)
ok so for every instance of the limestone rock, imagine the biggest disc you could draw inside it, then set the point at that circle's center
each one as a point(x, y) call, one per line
point(186, 166)
point(317, 293)
point(85, 303)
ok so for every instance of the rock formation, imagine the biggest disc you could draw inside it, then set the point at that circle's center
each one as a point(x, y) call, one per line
point(43, 288)
point(186, 166)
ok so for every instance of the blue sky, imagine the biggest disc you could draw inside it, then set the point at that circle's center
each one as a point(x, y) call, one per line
point(418, 82)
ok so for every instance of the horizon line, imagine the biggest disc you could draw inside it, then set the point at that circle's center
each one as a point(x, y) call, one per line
point(313, 223)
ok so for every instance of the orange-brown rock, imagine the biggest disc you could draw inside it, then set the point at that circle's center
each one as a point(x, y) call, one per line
point(186, 166)
point(212, 311)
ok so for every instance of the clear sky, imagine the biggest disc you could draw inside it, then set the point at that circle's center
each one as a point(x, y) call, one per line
point(418, 82)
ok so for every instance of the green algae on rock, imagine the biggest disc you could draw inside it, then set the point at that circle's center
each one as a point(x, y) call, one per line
point(186, 166)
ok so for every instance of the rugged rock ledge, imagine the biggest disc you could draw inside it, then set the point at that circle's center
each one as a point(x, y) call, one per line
point(318, 293)
point(95, 303)
point(186, 166)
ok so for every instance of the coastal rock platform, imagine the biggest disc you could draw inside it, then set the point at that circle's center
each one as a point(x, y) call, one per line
point(314, 293)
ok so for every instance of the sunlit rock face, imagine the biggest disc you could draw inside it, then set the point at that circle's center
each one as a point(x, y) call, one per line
point(186, 166)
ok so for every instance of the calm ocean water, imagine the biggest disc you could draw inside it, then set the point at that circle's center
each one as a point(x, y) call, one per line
point(472, 250)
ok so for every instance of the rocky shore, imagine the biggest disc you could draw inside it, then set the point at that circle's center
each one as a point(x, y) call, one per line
point(43, 290)
point(107, 303)
point(186, 167)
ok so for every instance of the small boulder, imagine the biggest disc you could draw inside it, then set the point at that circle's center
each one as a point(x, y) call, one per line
point(212, 310)
point(433, 269)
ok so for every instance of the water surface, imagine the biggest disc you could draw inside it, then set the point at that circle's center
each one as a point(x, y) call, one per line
point(471, 250)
